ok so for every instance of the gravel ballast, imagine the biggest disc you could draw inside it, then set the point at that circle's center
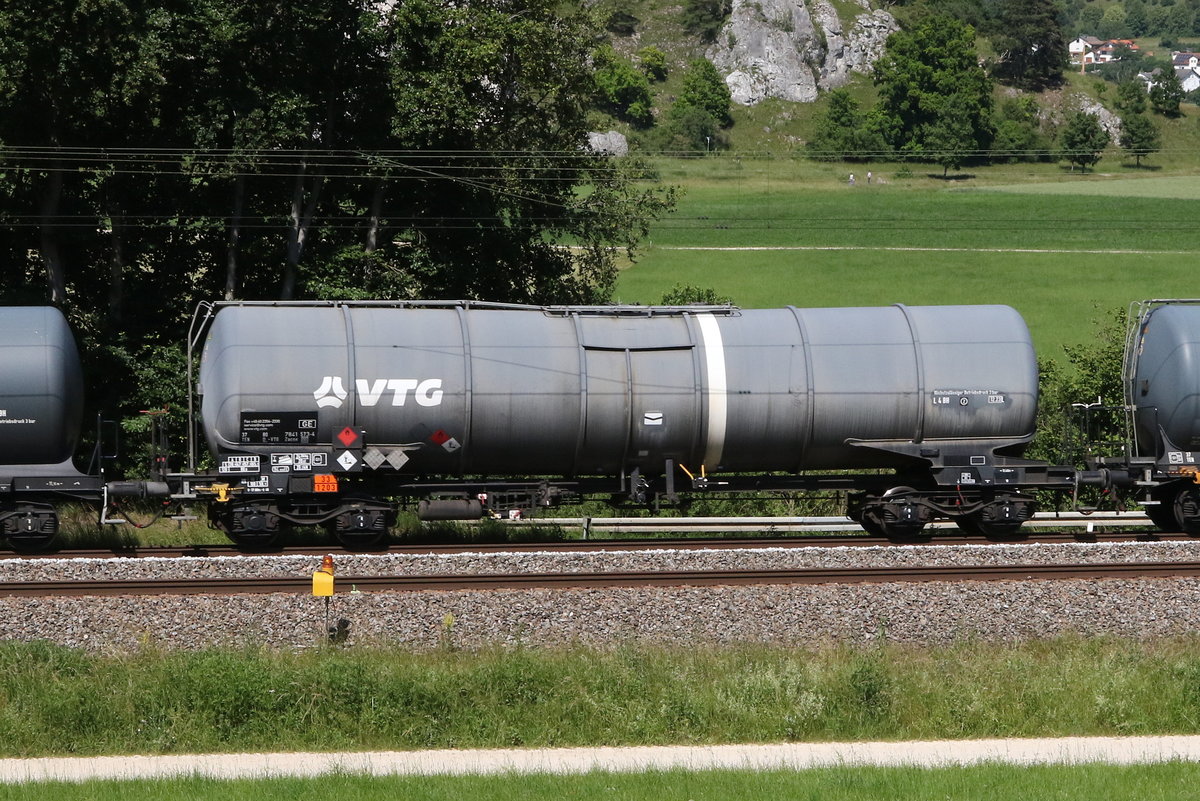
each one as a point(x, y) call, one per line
point(795, 615)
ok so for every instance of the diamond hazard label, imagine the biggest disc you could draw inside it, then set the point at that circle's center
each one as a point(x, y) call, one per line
point(347, 460)
point(347, 436)
point(451, 445)
point(440, 437)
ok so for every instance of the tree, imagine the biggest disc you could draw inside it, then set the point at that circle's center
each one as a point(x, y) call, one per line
point(705, 89)
point(704, 18)
point(623, 90)
point(950, 138)
point(921, 69)
point(1131, 96)
point(1139, 136)
point(1083, 140)
point(488, 79)
point(1028, 36)
point(653, 62)
point(1019, 135)
point(1167, 93)
point(843, 132)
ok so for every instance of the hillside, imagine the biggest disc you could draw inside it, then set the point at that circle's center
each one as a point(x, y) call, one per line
point(818, 32)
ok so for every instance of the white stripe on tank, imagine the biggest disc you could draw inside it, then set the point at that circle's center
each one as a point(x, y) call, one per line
point(714, 390)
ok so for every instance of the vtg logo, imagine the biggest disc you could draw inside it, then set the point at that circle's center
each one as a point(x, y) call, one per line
point(427, 392)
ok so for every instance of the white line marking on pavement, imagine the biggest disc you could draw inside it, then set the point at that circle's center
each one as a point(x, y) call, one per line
point(788, 756)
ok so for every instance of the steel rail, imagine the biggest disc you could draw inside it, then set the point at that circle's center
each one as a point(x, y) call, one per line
point(569, 546)
point(350, 584)
point(1104, 527)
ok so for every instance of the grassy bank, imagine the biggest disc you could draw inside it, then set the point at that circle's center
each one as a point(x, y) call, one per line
point(987, 783)
point(57, 701)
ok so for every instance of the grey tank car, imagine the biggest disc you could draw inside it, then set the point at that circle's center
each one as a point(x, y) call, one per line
point(41, 410)
point(1162, 385)
point(392, 397)
point(462, 390)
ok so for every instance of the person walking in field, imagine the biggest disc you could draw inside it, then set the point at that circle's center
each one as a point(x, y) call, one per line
point(868, 176)
point(851, 179)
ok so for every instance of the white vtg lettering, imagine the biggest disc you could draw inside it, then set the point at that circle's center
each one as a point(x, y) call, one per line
point(425, 393)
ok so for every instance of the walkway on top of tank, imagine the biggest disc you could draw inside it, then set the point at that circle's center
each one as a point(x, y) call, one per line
point(786, 756)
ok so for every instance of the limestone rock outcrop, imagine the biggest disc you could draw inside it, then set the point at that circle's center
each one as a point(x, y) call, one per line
point(788, 49)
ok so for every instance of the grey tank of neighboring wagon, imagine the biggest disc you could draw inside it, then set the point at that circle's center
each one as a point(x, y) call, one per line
point(41, 391)
point(1162, 366)
point(462, 390)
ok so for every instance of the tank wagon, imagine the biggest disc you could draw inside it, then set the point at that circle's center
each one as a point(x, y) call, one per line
point(317, 413)
point(41, 408)
point(1162, 396)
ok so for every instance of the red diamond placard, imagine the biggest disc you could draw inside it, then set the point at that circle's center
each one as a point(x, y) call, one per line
point(439, 437)
point(347, 436)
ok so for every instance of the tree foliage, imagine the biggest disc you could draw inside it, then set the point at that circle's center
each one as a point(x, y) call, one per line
point(266, 149)
point(622, 89)
point(696, 119)
point(1083, 140)
point(704, 18)
point(653, 62)
point(1019, 135)
point(705, 89)
point(1028, 36)
point(1139, 136)
point(844, 133)
point(1131, 97)
point(1167, 93)
point(927, 74)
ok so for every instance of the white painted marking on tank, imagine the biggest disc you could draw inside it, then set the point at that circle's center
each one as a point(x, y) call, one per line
point(715, 388)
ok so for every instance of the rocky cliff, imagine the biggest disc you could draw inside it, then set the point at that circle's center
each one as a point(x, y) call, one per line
point(789, 49)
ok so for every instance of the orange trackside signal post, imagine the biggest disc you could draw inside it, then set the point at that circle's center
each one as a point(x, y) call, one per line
point(323, 584)
point(323, 578)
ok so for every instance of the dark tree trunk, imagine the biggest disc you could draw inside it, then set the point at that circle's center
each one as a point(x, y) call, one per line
point(235, 235)
point(302, 214)
point(56, 274)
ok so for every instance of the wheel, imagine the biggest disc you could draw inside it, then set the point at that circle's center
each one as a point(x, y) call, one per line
point(359, 530)
point(248, 526)
point(1187, 509)
point(977, 524)
point(31, 528)
point(1162, 514)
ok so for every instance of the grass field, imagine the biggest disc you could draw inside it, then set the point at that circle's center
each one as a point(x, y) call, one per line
point(1065, 251)
point(59, 701)
point(1166, 782)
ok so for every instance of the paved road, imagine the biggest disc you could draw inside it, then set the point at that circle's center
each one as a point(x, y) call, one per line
point(1118, 750)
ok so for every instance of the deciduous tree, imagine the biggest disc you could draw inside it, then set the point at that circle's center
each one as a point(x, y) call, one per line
point(1083, 140)
point(921, 69)
point(1028, 36)
point(1139, 136)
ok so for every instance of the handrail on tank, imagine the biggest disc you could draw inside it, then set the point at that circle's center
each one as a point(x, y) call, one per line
point(1139, 311)
point(201, 319)
point(562, 309)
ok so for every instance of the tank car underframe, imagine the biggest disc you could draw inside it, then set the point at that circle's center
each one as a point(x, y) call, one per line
point(29, 517)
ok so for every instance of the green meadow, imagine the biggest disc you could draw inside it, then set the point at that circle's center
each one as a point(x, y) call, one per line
point(1065, 250)
point(1166, 782)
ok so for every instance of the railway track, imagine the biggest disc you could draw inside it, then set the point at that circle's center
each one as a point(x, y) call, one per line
point(352, 584)
point(1104, 528)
